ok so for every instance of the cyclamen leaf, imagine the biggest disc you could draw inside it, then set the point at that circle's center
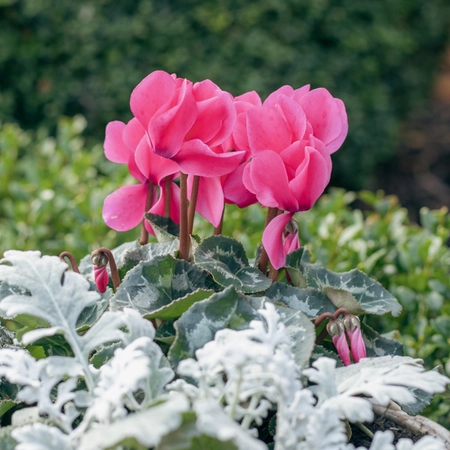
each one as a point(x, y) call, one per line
point(310, 301)
point(146, 253)
point(378, 345)
point(296, 264)
point(301, 332)
point(198, 325)
point(353, 290)
point(157, 283)
point(164, 227)
point(227, 262)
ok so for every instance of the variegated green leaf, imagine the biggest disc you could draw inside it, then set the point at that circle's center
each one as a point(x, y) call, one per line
point(227, 262)
point(199, 324)
point(153, 285)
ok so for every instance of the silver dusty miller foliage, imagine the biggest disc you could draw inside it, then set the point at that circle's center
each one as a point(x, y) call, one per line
point(236, 380)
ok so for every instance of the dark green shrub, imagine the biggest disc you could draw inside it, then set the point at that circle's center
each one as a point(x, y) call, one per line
point(84, 57)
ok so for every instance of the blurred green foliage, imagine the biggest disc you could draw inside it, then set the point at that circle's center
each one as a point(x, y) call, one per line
point(52, 191)
point(66, 57)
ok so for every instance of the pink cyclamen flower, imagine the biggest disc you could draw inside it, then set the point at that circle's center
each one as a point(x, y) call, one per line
point(291, 137)
point(357, 345)
point(124, 209)
point(188, 123)
point(336, 330)
point(101, 278)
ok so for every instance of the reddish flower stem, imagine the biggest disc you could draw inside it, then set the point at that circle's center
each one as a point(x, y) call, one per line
point(327, 315)
point(193, 203)
point(144, 233)
point(71, 259)
point(184, 235)
point(112, 264)
point(167, 197)
point(218, 229)
point(264, 258)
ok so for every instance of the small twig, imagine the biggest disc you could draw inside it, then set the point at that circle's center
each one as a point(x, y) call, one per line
point(417, 424)
point(322, 317)
point(144, 233)
point(184, 235)
point(103, 251)
point(364, 429)
point(71, 259)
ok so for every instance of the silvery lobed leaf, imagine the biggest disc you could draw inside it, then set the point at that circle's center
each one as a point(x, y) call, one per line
point(213, 421)
point(41, 437)
point(382, 379)
point(383, 440)
point(146, 427)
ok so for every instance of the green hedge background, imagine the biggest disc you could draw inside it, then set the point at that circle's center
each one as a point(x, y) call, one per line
point(65, 57)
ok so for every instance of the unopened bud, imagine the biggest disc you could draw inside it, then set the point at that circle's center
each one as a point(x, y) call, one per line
point(351, 322)
point(335, 328)
point(99, 260)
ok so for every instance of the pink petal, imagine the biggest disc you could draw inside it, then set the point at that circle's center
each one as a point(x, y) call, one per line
point(269, 182)
point(336, 143)
point(300, 92)
point(267, 130)
point(247, 100)
point(101, 278)
point(115, 148)
point(357, 344)
point(310, 180)
point(151, 94)
point(324, 114)
point(167, 130)
point(340, 342)
point(124, 208)
point(133, 133)
point(272, 100)
point(134, 169)
point(216, 114)
point(153, 166)
point(196, 158)
point(235, 191)
point(210, 200)
point(294, 115)
point(158, 207)
point(272, 240)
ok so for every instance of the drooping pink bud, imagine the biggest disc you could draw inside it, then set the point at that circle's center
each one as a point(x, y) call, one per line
point(357, 346)
point(101, 276)
point(336, 330)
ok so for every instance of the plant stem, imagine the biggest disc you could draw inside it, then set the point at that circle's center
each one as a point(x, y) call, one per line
point(144, 233)
point(218, 229)
point(184, 235)
point(364, 429)
point(167, 197)
point(71, 258)
point(112, 265)
point(193, 203)
point(264, 258)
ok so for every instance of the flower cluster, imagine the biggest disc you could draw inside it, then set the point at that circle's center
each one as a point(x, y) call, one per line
point(232, 149)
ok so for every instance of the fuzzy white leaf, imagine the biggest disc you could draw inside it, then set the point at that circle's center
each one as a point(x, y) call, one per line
point(212, 421)
point(41, 437)
point(146, 427)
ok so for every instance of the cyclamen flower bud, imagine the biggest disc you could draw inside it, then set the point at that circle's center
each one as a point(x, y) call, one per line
point(336, 329)
point(357, 346)
point(101, 276)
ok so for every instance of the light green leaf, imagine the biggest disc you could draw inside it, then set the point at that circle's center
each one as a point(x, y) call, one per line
point(199, 324)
